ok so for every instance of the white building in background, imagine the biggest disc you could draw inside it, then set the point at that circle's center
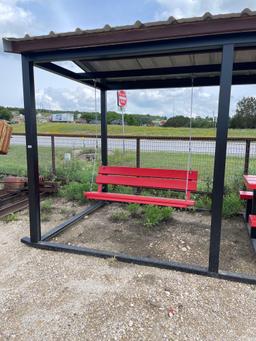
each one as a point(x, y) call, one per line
point(63, 117)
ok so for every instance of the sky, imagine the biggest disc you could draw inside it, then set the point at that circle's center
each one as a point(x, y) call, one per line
point(35, 17)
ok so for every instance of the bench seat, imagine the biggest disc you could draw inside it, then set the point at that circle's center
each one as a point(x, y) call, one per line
point(140, 199)
point(167, 179)
point(246, 195)
point(252, 221)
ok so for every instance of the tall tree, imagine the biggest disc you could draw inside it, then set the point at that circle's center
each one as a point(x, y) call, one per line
point(5, 114)
point(245, 116)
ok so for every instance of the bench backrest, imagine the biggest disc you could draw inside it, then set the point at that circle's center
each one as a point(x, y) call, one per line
point(148, 178)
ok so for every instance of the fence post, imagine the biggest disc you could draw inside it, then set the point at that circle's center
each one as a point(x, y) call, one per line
point(138, 152)
point(53, 155)
point(247, 156)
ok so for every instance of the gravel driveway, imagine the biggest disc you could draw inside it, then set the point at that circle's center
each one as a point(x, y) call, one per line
point(53, 296)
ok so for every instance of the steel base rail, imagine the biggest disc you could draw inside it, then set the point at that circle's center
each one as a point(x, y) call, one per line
point(62, 227)
point(145, 261)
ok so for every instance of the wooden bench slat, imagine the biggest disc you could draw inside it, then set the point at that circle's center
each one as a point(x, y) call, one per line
point(178, 203)
point(146, 182)
point(245, 195)
point(149, 172)
point(252, 220)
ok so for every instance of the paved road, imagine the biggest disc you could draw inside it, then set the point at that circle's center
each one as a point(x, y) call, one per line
point(202, 147)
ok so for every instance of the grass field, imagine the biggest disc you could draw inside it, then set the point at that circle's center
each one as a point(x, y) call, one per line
point(74, 128)
point(76, 176)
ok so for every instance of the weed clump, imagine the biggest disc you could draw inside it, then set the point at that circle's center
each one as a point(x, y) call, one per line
point(46, 206)
point(120, 216)
point(147, 215)
point(135, 210)
point(9, 218)
point(231, 205)
point(74, 191)
point(154, 215)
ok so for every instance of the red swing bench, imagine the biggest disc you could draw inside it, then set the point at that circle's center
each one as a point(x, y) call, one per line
point(177, 180)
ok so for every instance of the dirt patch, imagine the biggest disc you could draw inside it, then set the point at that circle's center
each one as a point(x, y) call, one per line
point(184, 238)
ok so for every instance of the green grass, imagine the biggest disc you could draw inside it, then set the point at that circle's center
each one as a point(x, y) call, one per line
point(203, 163)
point(15, 161)
point(74, 128)
point(76, 175)
point(80, 171)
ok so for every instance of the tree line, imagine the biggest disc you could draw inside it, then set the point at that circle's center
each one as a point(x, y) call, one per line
point(244, 117)
point(184, 121)
point(114, 117)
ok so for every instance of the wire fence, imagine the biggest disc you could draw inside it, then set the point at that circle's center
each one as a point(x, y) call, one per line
point(60, 155)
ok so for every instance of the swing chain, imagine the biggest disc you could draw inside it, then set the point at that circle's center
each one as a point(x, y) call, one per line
point(189, 161)
point(96, 148)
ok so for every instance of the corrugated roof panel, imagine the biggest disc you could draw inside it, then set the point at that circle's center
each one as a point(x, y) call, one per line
point(242, 56)
point(163, 61)
point(114, 65)
point(206, 25)
point(139, 25)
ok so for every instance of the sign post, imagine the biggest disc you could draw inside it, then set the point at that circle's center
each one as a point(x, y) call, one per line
point(121, 102)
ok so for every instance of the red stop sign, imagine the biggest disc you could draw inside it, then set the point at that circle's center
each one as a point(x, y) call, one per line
point(121, 98)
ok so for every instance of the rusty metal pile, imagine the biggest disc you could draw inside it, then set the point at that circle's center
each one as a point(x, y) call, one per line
point(14, 194)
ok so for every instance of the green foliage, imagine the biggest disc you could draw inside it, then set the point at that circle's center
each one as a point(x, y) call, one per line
point(154, 215)
point(5, 114)
point(116, 118)
point(120, 216)
point(135, 210)
point(231, 205)
point(150, 216)
point(47, 206)
point(177, 121)
point(10, 217)
point(74, 128)
point(245, 116)
point(74, 191)
point(184, 121)
point(203, 201)
point(46, 209)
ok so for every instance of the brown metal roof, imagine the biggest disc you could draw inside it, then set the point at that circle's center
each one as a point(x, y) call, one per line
point(172, 28)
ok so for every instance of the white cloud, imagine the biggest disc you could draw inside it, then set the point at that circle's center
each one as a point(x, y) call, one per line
point(14, 19)
point(165, 102)
point(79, 98)
point(190, 8)
point(58, 93)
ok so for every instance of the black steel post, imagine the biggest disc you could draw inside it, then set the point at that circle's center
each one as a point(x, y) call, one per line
point(32, 149)
point(53, 155)
point(220, 155)
point(104, 132)
point(138, 152)
point(247, 156)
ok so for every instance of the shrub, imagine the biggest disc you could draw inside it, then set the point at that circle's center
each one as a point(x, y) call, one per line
point(203, 201)
point(231, 205)
point(154, 215)
point(46, 206)
point(119, 216)
point(74, 191)
point(135, 210)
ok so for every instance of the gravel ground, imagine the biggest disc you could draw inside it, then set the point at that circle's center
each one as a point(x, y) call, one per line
point(53, 296)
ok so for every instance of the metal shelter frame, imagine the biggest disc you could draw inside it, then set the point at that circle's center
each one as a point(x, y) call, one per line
point(226, 44)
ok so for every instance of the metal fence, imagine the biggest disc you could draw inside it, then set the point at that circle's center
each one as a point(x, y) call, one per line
point(57, 150)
